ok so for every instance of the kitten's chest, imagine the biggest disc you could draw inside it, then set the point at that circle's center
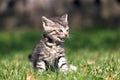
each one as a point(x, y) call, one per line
point(54, 51)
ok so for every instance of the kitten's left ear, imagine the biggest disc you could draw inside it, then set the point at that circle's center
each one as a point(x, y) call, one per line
point(64, 17)
point(47, 23)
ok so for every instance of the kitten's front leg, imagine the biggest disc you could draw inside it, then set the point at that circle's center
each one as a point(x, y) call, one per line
point(40, 65)
point(62, 64)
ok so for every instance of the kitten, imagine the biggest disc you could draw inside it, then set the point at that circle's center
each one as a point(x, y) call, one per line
point(49, 53)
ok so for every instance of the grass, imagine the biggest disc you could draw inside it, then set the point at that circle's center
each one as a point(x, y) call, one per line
point(95, 52)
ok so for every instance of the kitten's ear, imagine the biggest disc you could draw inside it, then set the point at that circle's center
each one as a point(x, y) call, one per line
point(64, 17)
point(47, 23)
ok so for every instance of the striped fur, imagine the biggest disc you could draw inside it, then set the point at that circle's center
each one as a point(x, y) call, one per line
point(49, 53)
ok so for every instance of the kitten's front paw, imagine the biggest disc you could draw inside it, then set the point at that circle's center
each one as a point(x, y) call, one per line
point(64, 70)
point(72, 68)
point(41, 70)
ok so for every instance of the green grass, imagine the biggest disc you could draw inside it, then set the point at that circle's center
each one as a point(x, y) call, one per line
point(95, 52)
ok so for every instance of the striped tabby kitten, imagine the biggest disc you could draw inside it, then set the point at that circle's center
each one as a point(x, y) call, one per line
point(49, 52)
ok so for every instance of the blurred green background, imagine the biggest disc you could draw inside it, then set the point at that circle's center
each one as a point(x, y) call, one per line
point(92, 39)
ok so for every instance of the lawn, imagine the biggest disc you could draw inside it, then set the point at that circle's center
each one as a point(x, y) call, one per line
point(95, 52)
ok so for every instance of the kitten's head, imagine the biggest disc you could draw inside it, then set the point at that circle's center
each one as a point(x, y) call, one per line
point(56, 28)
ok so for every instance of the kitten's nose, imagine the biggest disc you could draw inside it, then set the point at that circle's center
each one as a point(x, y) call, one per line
point(65, 35)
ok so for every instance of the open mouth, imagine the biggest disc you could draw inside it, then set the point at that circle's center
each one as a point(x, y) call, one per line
point(62, 39)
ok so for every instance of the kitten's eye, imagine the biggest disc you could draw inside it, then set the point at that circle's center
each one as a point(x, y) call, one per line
point(60, 30)
point(68, 30)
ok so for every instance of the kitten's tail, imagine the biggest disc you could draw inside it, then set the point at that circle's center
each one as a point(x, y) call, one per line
point(30, 57)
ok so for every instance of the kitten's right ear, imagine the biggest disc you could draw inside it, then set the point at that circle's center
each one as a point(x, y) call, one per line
point(64, 18)
point(47, 22)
